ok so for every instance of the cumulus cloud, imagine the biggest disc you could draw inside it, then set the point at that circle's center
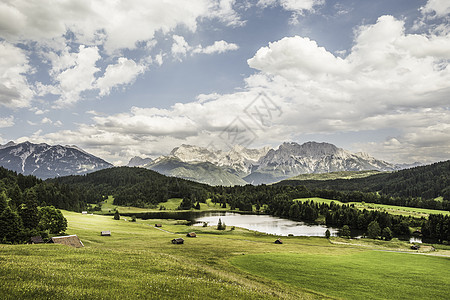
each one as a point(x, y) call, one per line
point(217, 47)
point(14, 89)
point(122, 73)
point(436, 8)
point(181, 48)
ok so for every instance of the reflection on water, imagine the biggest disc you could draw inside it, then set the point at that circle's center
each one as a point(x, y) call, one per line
point(265, 224)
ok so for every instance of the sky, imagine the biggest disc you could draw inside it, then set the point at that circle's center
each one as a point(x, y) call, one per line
point(138, 78)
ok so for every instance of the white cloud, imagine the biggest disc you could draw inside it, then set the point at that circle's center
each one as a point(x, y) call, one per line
point(124, 72)
point(181, 48)
point(79, 76)
point(217, 47)
point(437, 8)
point(7, 122)
point(46, 121)
point(14, 89)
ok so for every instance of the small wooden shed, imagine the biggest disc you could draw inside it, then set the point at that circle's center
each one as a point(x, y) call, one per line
point(158, 225)
point(84, 212)
point(191, 234)
point(415, 247)
point(36, 240)
point(278, 241)
point(69, 240)
point(106, 233)
point(178, 241)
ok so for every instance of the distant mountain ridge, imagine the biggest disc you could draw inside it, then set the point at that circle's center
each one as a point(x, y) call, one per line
point(240, 165)
point(46, 161)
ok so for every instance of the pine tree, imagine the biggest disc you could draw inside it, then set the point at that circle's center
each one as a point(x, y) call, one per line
point(29, 211)
point(373, 230)
point(11, 229)
point(327, 234)
point(116, 215)
point(52, 220)
point(3, 201)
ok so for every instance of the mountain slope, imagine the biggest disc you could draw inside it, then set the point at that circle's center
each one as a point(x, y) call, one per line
point(45, 161)
point(203, 172)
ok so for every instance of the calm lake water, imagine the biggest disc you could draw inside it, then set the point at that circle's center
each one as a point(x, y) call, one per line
point(264, 223)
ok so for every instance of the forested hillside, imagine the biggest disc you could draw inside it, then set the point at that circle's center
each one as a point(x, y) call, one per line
point(425, 182)
point(135, 186)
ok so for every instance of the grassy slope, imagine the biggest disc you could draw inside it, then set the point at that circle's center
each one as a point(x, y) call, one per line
point(392, 209)
point(171, 204)
point(138, 261)
point(363, 275)
point(335, 175)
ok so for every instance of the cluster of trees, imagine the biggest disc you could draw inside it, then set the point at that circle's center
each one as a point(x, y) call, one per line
point(21, 220)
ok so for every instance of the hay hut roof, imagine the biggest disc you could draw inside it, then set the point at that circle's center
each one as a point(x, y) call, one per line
point(178, 241)
point(278, 241)
point(36, 240)
point(191, 234)
point(106, 233)
point(158, 225)
point(69, 240)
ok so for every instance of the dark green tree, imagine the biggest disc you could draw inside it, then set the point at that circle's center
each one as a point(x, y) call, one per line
point(29, 210)
point(11, 229)
point(116, 215)
point(373, 230)
point(345, 231)
point(387, 234)
point(52, 220)
point(221, 225)
point(327, 234)
point(3, 201)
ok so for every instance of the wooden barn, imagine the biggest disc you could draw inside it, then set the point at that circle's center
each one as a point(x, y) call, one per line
point(158, 225)
point(278, 241)
point(106, 233)
point(69, 240)
point(178, 241)
point(191, 234)
point(36, 240)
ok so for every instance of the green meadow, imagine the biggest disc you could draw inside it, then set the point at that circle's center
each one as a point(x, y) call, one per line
point(172, 204)
point(391, 209)
point(139, 261)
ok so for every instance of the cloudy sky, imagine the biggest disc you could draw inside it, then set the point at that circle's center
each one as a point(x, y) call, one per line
point(124, 78)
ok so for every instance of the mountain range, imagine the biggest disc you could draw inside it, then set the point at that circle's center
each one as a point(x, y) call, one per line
point(263, 166)
point(45, 161)
point(238, 166)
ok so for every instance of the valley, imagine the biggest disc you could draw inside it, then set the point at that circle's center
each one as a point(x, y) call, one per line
point(138, 260)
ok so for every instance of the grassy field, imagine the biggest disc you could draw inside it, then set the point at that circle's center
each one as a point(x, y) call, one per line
point(139, 261)
point(335, 175)
point(392, 209)
point(172, 204)
point(363, 275)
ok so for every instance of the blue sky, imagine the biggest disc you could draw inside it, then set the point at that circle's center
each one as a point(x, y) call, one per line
point(142, 77)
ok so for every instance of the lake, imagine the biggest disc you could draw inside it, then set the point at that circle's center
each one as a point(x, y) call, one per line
point(263, 223)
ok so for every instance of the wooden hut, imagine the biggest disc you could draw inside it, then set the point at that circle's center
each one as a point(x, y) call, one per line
point(106, 233)
point(36, 240)
point(191, 234)
point(69, 240)
point(415, 247)
point(278, 241)
point(178, 241)
point(158, 225)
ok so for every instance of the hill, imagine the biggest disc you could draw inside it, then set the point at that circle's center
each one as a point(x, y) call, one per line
point(136, 186)
point(425, 182)
point(335, 175)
